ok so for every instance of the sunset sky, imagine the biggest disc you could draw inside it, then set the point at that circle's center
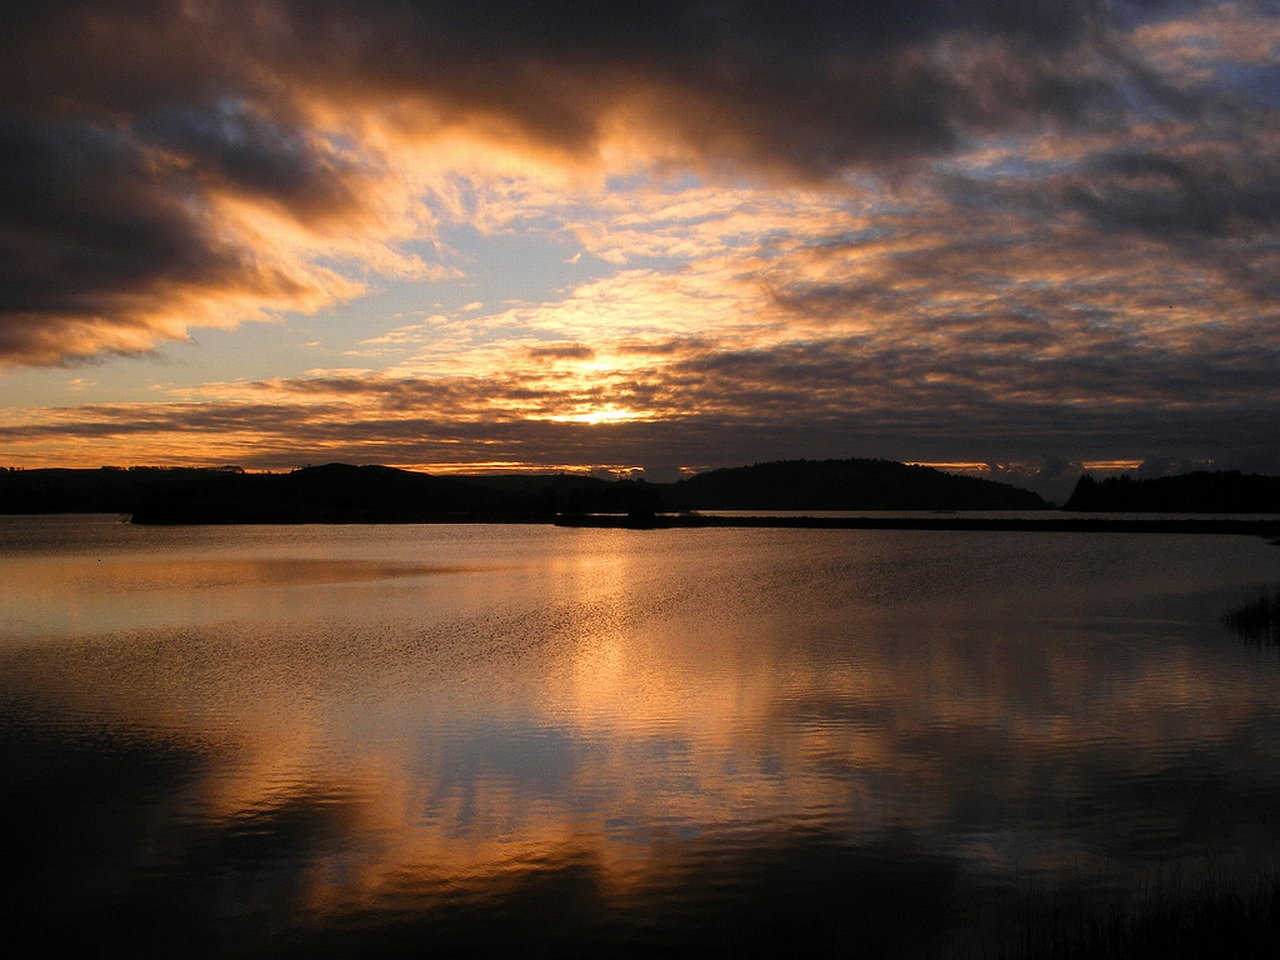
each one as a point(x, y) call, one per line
point(1033, 234)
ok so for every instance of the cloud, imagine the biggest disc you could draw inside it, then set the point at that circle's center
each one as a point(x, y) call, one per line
point(677, 401)
point(220, 152)
point(1042, 225)
point(1175, 197)
point(232, 149)
point(560, 351)
point(95, 258)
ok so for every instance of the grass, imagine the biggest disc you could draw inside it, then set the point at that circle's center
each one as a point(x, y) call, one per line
point(1217, 922)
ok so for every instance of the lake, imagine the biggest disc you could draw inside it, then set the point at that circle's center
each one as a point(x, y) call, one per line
point(451, 740)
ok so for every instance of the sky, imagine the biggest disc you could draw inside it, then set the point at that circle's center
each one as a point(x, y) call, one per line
point(1020, 235)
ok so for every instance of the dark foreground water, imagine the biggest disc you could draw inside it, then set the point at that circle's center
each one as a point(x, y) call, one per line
point(440, 741)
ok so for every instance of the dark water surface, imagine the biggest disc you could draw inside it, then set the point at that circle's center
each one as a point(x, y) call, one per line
point(450, 740)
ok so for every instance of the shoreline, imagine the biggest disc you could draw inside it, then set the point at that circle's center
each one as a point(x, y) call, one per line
point(662, 521)
point(1013, 524)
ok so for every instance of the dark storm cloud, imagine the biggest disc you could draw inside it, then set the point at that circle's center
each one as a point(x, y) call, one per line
point(1174, 197)
point(681, 36)
point(83, 220)
point(807, 88)
point(549, 66)
point(85, 237)
point(248, 154)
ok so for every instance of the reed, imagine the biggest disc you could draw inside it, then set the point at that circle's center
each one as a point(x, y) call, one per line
point(1258, 620)
point(1170, 917)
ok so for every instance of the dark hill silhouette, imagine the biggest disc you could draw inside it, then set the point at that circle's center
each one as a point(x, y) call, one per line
point(1228, 491)
point(845, 485)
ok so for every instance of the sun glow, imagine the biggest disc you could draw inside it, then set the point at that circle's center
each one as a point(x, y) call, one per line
point(953, 466)
point(606, 414)
point(1111, 465)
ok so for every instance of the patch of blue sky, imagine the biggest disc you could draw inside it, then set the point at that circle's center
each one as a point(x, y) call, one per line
point(1005, 158)
point(511, 267)
point(850, 238)
point(677, 183)
point(1256, 82)
point(253, 351)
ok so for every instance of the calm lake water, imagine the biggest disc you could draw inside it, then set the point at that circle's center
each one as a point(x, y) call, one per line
point(446, 740)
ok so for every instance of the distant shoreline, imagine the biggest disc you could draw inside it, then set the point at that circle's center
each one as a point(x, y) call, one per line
point(1264, 528)
point(644, 521)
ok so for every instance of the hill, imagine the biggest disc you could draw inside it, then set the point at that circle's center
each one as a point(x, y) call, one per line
point(845, 485)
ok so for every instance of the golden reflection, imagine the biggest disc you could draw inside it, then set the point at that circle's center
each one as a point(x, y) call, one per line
point(613, 691)
point(96, 576)
point(648, 743)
